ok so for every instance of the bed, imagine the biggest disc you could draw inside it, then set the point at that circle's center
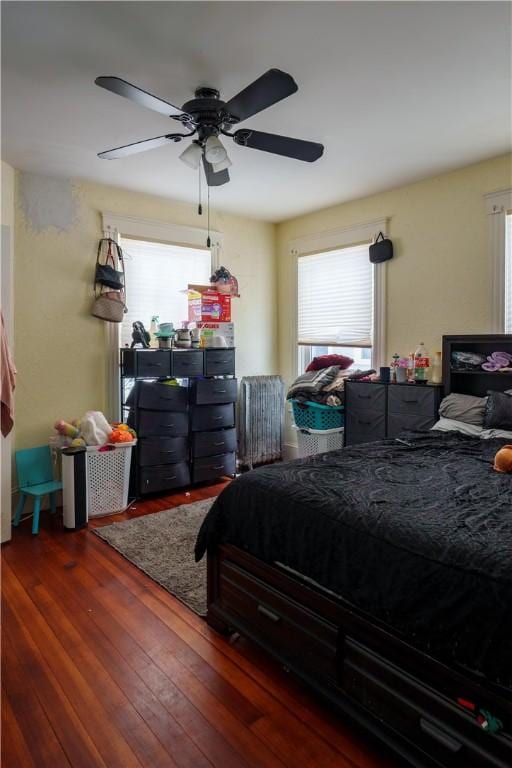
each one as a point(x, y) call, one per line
point(382, 575)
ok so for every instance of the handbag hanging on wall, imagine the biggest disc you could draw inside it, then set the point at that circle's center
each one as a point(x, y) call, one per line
point(106, 272)
point(109, 290)
point(381, 250)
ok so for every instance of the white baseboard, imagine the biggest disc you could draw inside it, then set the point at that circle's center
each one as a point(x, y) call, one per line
point(290, 451)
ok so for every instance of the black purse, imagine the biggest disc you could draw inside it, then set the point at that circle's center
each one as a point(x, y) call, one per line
point(381, 250)
point(107, 274)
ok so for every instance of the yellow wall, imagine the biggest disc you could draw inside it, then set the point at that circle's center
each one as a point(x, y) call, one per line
point(60, 348)
point(439, 279)
point(438, 282)
point(6, 291)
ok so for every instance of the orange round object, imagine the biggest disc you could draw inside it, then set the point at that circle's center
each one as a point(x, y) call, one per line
point(503, 459)
point(120, 436)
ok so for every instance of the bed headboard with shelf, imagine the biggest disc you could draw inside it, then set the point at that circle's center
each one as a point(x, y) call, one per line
point(479, 381)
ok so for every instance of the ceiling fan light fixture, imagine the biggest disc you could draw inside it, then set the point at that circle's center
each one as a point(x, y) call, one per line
point(223, 165)
point(191, 156)
point(214, 151)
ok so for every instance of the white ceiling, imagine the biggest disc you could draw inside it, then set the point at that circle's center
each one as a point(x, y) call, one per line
point(395, 91)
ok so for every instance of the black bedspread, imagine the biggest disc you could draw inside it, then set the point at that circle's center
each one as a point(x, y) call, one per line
point(416, 531)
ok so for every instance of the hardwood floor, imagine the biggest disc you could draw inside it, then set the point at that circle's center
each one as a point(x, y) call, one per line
point(103, 667)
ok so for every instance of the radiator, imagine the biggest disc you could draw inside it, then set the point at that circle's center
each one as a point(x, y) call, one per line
point(260, 419)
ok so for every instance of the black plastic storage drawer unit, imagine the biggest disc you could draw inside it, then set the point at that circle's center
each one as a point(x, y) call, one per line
point(185, 424)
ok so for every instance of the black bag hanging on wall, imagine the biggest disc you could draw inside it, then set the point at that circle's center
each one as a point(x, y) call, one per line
point(106, 273)
point(381, 250)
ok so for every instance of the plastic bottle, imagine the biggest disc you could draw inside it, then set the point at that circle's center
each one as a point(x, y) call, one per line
point(436, 373)
point(153, 328)
point(410, 366)
point(421, 363)
point(394, 366)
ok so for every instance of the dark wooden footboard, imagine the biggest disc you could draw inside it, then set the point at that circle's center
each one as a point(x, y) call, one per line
point(402, 696)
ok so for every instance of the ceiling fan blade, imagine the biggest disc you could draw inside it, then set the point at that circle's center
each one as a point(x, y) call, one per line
point(279, 145)
point(214, 179)
point(136, 147)
point(268, 89)
point(140, 97)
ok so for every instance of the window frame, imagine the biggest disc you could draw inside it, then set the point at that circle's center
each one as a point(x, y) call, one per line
point(497, 205)
point(331, 240)
point(118, 226)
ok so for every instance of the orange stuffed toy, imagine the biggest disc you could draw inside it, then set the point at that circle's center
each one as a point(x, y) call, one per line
point(503, 459)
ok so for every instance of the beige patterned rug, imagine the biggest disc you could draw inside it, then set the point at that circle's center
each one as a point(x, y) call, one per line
point(162, 545)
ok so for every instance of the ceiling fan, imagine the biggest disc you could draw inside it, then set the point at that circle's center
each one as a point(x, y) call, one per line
point(207, 116)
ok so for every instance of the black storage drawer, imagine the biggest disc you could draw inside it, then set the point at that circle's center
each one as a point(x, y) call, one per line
point(164, 423)
point(210, 443)
point(187, 362)
point(296, 634)
point(207, 391)
point(398, 422)
point(219, 362)
point(147, 362)
point(364, 426)
point(407, 399)
point(162, 450)
point(154, 396)
point(363, 396)
point(211, 467)
point(161, 478)
point(206, 417)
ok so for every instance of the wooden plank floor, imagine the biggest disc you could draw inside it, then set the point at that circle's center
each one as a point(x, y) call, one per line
point(103, 667)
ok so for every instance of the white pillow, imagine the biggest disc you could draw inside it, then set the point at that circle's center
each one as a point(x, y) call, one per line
point(451, 425)
point(488, 433)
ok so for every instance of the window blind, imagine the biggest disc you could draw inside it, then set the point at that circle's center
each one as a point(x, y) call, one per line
point(508, 274)
point(335, 298)
point(156, 276)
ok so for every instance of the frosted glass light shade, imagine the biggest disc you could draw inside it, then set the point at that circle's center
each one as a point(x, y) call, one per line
point(214, 151)
point(191, 156)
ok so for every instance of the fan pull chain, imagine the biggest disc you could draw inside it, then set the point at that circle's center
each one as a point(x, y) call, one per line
point(200, 207)
point(208, 240)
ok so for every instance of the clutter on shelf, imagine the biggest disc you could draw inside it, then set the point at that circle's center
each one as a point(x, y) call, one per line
point(496, 362)
point(224, 282)
point(206, 304)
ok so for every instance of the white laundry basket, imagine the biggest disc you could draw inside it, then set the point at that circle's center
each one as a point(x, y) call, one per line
point(108, 478)
point(313, 441)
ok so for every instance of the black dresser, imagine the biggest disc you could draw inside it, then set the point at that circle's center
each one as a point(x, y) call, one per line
point(186, 433)
point(374, 411)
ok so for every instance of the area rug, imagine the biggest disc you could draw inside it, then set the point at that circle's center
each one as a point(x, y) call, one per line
point(162, 545)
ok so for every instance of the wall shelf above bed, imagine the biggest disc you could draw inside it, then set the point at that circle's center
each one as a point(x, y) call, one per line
point(479, 381)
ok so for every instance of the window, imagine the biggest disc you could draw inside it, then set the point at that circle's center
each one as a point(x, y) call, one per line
point(508, 273)
point(157, 276)
point(499, 214)
point(336, 305)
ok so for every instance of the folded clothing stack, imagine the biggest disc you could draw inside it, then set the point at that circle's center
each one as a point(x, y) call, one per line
point(323, 381)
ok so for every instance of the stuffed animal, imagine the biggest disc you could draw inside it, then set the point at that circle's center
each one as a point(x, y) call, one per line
point(503, 459)
point(66, 429)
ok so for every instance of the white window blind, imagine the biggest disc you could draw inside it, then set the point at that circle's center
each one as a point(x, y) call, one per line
point(156, 276)
point(335, 298)
point(508, 274)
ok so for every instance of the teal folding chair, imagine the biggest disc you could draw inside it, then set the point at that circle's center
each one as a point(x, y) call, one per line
point(35, 478)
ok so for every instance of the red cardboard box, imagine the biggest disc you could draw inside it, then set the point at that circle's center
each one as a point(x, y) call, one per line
point(207, 305)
